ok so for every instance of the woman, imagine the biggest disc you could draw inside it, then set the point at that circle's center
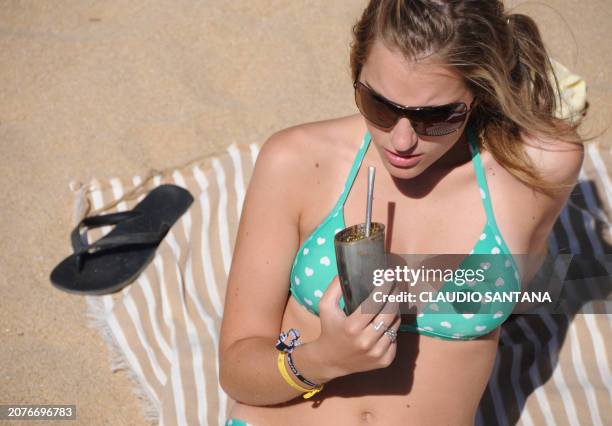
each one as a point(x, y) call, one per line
point(487, 143)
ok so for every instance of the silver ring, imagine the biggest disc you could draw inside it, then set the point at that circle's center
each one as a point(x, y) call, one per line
point(392, 334)
point(377, 326)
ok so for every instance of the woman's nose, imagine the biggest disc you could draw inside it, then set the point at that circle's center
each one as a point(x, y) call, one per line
point(403, 136)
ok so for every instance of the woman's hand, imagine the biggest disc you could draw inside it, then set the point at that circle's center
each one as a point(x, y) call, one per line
point(350, 344)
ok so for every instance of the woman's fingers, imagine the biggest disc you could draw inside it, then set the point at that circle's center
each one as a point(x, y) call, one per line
point(376, 304)
point(356, 342)
point(384, 348)
point(329, 303)
point(379, 324)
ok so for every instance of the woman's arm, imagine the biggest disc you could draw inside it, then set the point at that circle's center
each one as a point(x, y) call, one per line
point(560, 163)
point(258, 283)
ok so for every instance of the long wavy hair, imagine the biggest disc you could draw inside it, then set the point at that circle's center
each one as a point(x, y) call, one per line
point(502, 59)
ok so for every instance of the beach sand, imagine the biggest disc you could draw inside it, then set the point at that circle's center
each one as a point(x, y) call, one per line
point(103, 89)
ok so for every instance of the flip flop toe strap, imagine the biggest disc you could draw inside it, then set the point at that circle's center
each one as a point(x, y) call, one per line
point(82, 248)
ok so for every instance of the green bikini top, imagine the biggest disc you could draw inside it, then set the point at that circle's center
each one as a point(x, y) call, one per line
point(314, 268)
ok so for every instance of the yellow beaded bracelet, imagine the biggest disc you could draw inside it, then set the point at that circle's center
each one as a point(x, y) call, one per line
point(280, 361)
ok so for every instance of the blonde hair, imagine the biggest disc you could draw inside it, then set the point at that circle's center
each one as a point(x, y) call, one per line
point(502, 59)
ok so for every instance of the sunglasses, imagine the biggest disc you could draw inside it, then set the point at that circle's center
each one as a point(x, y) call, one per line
point(426, 121)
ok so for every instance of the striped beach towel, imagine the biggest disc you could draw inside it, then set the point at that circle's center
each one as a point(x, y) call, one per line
point(163, 329)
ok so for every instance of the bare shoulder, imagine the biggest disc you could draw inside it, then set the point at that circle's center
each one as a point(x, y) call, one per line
point(526, 228)
point(289, 147)
point(305, 153)
point(557, 161)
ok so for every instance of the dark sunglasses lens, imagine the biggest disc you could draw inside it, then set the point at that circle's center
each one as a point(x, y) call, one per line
point(438, 121)
point(374, 109)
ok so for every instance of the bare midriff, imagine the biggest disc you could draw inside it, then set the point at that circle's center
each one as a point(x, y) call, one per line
point(431, 381)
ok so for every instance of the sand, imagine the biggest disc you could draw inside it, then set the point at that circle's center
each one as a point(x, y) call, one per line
point(104, 89)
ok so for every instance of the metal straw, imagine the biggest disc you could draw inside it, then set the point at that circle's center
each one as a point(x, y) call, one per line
point(371, 174)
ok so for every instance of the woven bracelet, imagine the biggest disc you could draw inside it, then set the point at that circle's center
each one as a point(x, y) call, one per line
point(288, 347)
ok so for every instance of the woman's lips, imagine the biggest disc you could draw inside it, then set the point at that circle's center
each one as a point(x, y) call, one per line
point(401, 160)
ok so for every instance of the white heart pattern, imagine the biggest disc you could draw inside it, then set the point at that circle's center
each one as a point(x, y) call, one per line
point(483, 236)
point(498, 239)
point(446, 324)
point(498, 314)
point(297, 280)
point(480, 328)
point(428, 328)
point(318, 293)
point(420, 315)
point(308, 301)
point(482, 194)
point(308, 271)
point(499, 282)
point(507, 264)
point(485, 265)
point(434, 307)
point(306, 251)
point(320, 240)
point(325, 261)
point(495, 250)
point(337, 230)
point(468, 315)
point(457, 335)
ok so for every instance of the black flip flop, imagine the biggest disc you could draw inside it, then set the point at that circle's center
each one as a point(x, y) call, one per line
point(115, 260)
